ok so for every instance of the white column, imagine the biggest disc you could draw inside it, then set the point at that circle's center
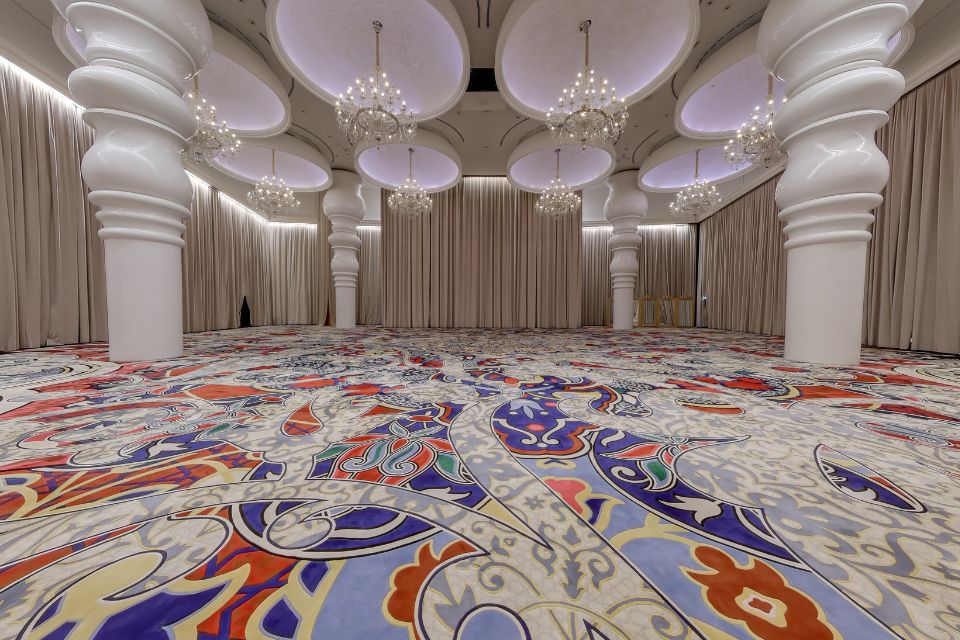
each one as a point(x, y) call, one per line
point(138, 54)
point(343, 206)
point(625, 207)
point(831, 56)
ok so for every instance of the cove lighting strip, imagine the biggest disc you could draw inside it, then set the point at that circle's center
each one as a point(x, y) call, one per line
point(54, 92)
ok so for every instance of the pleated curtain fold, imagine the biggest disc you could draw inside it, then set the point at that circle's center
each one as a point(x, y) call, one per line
point(482, 258)
point(231, 255)
point(913, 267)
point(370, 290)
point(51, 260)
point(743, 265)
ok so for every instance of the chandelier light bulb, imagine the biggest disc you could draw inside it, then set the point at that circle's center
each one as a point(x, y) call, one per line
point(696, 198)
point(372, 109)
point(755, 143)
point(586, 114)
point(557, 200)
point(212, 140)
point(410, 200)
point(271, 196)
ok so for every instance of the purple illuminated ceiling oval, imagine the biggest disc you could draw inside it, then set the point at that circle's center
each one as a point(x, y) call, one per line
point(246, 92)
point(672, 168)
point(533, 164)
point(436, 165)
point(635, 44)
point(328, 44)
point(722, 93)
point(301, 166)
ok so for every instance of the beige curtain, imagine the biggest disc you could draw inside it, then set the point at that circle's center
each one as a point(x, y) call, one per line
point(482, 258)
point(232, 254)
point(742, 265)
point(370, 291)
point(668, 264)
point(913, 269)
point(668, 260)
point(594, 275)
point(51, 260)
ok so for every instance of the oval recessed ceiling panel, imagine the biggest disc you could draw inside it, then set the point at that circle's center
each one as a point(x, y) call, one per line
point(328, 44)
point(436, 165)
point(722, 93)
point(671, 167)
point(635, 44)
point(300, 165)
point(533, 164)
point(247, 93)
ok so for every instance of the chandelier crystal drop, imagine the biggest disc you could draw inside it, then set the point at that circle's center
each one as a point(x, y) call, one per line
point(696, 198)
point(410, 200)
point(588, 111)
point(371, 109)
point(271, 196)
point(212, 140)
point(557, 200)
point(755, 143)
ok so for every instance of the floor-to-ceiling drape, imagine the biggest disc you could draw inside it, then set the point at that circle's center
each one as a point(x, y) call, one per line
point(742, 265)
point(668, 263)
point(51, 261)
point(594, 275)
point(913, 271)
point(482, 258)
point(370, 289)
point(668, 260)
point(231, 255)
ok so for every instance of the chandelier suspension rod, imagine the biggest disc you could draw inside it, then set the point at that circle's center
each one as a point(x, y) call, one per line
point(696, 164)
point(585, 29)
point(558, 164)
point(770, 87)
point(273, 161)
point(196, 83)
point(377, 26)
point(410, 164)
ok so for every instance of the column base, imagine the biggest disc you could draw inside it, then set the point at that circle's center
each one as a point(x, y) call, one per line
point(825, 303)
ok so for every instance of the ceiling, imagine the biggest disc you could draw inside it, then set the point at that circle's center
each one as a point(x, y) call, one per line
point(479, 125)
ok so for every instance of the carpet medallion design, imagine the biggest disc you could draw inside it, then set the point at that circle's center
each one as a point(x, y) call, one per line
point(299, 482)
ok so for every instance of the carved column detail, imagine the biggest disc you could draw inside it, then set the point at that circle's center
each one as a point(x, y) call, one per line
point(138, 54)
point(625, 207)
point(831, 56)
point(344, 207)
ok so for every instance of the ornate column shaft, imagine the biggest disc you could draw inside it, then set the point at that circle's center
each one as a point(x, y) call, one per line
point(138, 54)
point(625, 207)
point(831, 56)
point(344, 207)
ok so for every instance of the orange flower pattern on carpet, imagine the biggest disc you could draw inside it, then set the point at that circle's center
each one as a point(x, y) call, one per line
point(757, 596)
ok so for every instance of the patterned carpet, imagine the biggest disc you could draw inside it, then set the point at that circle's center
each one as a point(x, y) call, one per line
point(478, 485)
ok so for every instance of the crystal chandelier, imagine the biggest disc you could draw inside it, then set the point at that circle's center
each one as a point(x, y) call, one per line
point(588, 111)
point(696, 198)
point(410, 200)
point(557, 200)
point(212, 140)
point(755, 144)
point(372, 110)
point(271, 196)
